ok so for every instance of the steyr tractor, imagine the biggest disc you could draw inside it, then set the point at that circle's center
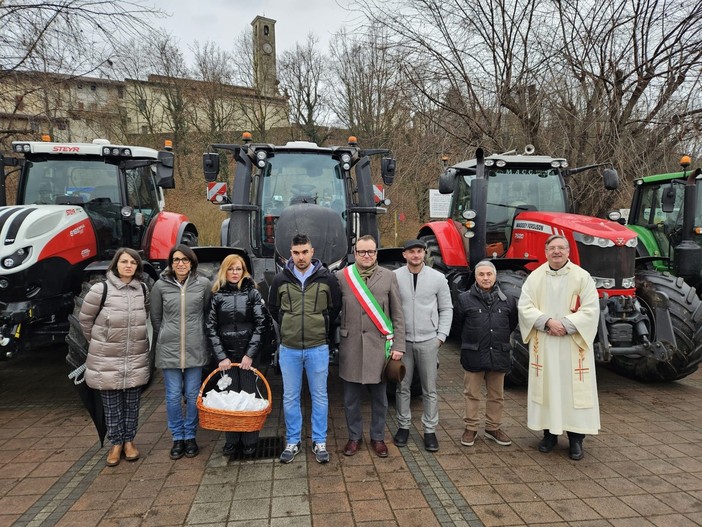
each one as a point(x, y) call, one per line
point(666, 214)
point(505, 206)
point(76, 204)
point(325, 192)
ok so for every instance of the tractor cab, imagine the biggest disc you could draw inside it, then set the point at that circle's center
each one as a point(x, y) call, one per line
point(666, 213)
point(119, 192)
point(279, 190)
point(513, 187)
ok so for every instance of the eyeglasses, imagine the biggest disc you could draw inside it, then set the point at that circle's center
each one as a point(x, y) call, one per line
point(557, 248)
point(181, 260)
point(367, 253)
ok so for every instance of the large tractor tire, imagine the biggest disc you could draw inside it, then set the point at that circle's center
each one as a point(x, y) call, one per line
point(511, 284)
point(433, 257)
point(189, 238)
point(686, 315)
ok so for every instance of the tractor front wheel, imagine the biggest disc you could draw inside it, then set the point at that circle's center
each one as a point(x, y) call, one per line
point(686, 316)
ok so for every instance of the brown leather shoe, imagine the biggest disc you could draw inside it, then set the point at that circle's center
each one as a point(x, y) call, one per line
point(131, 453)
point(352, 447)
point(379, 448)
point(468, 437)
point(498, 436)
point(114, 455)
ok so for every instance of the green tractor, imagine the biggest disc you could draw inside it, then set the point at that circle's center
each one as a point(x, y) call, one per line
point(666, 214)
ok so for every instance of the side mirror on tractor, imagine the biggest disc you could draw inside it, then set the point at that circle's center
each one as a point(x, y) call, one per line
point(210, 166)
point(611, 179)
point(447, 181)
point(388, 166)
point(668, 199)
point(164, 170)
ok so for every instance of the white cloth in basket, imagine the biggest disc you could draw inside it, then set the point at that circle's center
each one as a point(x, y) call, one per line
point(233, 401)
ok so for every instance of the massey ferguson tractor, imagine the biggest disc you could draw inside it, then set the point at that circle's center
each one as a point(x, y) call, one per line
point(325, 192)
point(505, 206)
point(666, 214)
point(76, 204)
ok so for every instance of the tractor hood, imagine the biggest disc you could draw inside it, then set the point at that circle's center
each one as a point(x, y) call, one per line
point(562, 223)
point(323, 226)
point(532, 229)
point(31, 233)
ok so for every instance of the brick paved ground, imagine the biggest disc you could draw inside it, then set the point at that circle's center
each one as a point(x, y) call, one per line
point(645, 468)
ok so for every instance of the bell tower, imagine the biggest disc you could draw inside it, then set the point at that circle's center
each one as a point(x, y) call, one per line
point(264, 63)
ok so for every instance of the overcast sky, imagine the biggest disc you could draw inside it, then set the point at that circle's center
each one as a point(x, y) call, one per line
point(222, 21)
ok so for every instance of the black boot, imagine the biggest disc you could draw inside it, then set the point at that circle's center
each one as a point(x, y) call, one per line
point(576, 451)
point(549, 442)
point(178, 450)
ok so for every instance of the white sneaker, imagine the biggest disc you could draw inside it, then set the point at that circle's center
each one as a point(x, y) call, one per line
point(320, 452)
point(291, 450)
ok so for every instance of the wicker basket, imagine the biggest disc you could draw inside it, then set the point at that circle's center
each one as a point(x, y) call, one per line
point(233, 421)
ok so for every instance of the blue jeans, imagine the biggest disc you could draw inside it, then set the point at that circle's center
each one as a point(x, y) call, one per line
point(182, 383)
point(315, 362)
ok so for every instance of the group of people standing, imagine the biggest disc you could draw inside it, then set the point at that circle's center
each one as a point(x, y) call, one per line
point(407, 315)
point(383, 316)
point(192, 320)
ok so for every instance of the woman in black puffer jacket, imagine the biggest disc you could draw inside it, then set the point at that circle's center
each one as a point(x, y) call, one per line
point(234, 326)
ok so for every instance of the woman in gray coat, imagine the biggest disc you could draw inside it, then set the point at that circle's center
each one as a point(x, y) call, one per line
point(179, 302)
point(118, 353)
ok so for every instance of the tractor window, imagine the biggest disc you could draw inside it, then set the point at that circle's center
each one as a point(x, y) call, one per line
point(293, 178)
point(511, 191)
point(69, 181)
point(142, 193)
point(651, 211)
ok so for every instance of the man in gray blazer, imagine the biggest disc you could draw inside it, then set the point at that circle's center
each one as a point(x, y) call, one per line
point(428, 311)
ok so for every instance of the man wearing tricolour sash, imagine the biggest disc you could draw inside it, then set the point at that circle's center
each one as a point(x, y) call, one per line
point(372, 327)
point(558, 317)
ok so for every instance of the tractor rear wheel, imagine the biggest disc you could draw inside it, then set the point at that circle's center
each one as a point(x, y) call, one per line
point(189, 238)
point(686, 315)
point(511, 284)
point(433, 257)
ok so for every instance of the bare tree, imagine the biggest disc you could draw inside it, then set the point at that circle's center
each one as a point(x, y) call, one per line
point(369, 98)
point(593, 81)
point(629, 80)
point(302, 74)
point(57, 42)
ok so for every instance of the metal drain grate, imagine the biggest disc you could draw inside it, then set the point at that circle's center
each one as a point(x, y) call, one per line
point(267, 447)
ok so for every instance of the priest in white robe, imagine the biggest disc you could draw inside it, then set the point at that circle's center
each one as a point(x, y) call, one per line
point(558, 317)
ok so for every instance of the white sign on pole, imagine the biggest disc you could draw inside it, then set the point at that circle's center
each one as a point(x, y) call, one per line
point(439, 204)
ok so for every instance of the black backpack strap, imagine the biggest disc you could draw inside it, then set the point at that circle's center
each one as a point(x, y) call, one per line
point(103, 298)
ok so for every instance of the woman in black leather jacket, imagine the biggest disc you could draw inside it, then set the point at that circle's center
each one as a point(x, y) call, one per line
point(234, 326)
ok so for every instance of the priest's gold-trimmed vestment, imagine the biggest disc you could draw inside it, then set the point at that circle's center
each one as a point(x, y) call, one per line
point(562, 393)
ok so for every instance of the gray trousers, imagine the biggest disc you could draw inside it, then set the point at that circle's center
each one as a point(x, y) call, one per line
point(420, 358)
point(353, 392)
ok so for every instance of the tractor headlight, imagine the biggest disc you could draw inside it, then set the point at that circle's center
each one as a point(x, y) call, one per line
point(261, 157)
point(603, 283)
point(489, 162)
point(587, 239)
point(633, 242)
point(629, 283)
point(17, 258)
point(346, 161)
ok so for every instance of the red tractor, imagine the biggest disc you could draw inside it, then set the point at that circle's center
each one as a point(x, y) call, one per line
point(76, 204)
point(504, 206)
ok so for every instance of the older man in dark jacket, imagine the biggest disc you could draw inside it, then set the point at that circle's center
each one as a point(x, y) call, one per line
point(487, 317)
